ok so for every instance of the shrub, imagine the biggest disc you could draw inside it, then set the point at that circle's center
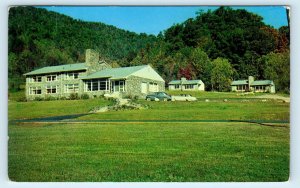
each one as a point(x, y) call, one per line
point(38, 99)
point(135, 97)
point(112, 100)
point(102, 96)
point(73, 96)
point(50, 98)
point(85, 96)
point(132, 97)
point(129, 96)
point(62, 98)
point(21, 99)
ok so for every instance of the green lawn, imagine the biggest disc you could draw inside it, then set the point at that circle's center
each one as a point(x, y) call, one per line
point(216, 95)
point(234, 110)
point(128, 151)
point(148, 152)
point(36, 109)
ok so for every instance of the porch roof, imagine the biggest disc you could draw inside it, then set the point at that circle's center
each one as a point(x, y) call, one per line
point(115, 73)
point(262, 82)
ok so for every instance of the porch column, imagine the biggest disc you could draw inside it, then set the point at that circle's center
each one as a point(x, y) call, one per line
point(106, 89)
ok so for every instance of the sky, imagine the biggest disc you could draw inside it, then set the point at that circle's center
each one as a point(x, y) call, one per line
point(155, 19)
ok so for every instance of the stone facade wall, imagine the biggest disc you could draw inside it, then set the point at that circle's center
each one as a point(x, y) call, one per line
point(133, 86)
point(60, 82)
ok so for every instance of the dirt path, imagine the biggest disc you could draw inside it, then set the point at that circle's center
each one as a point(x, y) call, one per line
point(285, 99)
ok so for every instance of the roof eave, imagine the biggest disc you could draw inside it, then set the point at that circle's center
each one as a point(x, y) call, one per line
point(94, 77)
point(238, 84)
point(30, 74)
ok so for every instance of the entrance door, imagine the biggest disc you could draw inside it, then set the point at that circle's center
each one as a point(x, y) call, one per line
point(144, 87)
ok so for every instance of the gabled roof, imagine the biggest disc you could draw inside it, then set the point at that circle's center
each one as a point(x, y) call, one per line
point(115, 73)
point(185, 82)
point(254, 83)
point(239, 82)
point(59, 68)
point(262, 82)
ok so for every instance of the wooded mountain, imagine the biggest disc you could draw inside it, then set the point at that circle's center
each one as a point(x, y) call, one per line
point(39, 38)
point(200, 47)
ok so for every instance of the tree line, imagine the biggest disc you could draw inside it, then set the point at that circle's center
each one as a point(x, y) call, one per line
point(220, 46)
point(216, 46)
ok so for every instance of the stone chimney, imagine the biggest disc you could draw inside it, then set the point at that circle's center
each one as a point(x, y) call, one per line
point(182, 80)
point(91, 60)
point(250, 80)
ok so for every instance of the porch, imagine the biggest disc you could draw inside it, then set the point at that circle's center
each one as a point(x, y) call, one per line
point(104, 85)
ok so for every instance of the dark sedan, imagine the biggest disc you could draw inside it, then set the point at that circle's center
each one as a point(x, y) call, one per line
point(158, 96)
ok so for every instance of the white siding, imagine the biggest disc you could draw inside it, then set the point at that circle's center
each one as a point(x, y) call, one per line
point(148, 72)
point(144, 87)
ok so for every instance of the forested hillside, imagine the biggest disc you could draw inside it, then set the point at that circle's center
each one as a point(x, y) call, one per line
point(219, 46)
point(216, 46)
point(39, 38)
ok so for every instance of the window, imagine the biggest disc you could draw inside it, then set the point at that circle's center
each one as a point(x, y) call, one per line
point(241, 87)
point(153, 87)
point(260, 88)
point(51, 89)
point(96, 85)
point(119, 85)
point(71, 75)
point(103, 85)
point(189, 86)
point(35, 79)
point(35, 90)
point(177, 86)
point(71, 88)
point(51, 78)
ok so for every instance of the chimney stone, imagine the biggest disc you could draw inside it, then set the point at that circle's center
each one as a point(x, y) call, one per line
point(91, 60)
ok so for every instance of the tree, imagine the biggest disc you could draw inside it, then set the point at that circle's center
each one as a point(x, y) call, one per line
point(277, 68)
point(221, 74)
point(201, 65)
point(186, 72)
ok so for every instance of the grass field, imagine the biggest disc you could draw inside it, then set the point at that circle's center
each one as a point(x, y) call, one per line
point(150, 151)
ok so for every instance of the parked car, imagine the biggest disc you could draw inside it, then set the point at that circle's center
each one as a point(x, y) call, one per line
point(158, 96)
point(183, 97)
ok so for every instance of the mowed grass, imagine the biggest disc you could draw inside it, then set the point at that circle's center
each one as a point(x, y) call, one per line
point(38, 109)
point(215, 95)
point(231, 110)
point(114, 152)
point(137, 152)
